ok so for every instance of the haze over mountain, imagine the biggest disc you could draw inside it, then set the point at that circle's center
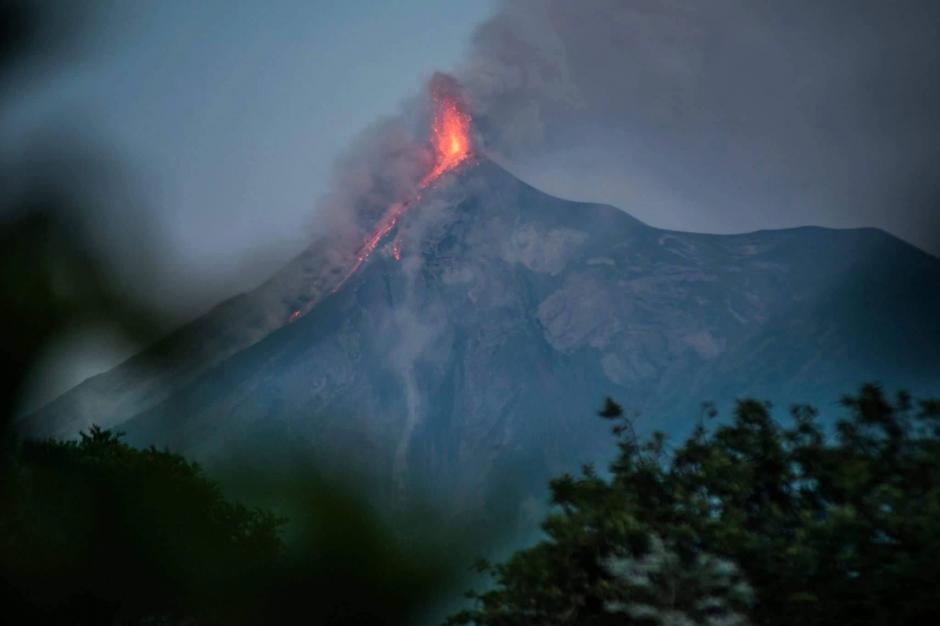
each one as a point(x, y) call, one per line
point(475, 361)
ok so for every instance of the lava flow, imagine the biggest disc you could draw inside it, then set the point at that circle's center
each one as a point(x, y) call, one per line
point(450, 140)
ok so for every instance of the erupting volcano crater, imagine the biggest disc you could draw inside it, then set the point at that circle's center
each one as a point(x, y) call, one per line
point(451, 145)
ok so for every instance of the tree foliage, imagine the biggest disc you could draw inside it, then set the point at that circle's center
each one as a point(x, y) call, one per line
point(98, 532)
point(750, 521)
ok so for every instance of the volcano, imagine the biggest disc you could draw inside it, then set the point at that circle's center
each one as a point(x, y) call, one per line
point(467, 354)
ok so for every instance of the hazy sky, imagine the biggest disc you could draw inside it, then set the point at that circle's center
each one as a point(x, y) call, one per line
point(723, 116)
point(227, 116)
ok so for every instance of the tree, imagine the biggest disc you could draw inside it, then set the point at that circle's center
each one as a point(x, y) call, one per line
point(750, 520)
point(96, 531)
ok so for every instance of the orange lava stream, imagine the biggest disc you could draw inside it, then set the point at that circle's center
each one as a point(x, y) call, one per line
point(450, 139)
point(386, 224)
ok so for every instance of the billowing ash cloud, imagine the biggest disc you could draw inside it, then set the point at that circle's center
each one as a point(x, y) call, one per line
point(516, 76)
point(720, 116)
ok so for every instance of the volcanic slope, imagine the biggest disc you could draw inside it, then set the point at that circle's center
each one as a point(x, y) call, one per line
point(470, 367)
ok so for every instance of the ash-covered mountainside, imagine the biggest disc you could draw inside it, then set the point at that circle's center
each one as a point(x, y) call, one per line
point(472, 364)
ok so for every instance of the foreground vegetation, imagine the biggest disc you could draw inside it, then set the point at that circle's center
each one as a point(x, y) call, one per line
point(747, 522)
point(97, 532)
point(750, 522)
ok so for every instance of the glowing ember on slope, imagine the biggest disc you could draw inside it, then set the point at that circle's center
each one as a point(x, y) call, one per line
point(386, 224)
point(450, 139)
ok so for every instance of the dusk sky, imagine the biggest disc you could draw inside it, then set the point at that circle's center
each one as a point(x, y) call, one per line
point(227, 117)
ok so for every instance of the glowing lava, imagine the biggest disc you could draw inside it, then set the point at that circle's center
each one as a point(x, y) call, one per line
point(450, 139)
point(386, 224)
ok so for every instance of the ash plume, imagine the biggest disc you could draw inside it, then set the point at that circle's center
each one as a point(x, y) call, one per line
point(722, 116)
point(718, 117)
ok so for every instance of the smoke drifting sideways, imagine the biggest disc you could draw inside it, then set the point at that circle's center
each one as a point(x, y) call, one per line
point(716, 117)
point(723, 116)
